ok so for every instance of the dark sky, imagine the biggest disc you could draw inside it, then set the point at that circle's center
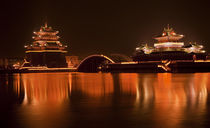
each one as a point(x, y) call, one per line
point(102, 26)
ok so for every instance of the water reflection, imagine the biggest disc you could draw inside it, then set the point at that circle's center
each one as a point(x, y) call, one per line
point(105, 99)
point(92, 84)
point(45, 95)
point(48, 88)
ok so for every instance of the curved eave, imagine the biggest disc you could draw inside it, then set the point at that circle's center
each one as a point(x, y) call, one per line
point(169, 38)
point(47, 41)
point(46, 33)
point(169, 44)
point(41, 51)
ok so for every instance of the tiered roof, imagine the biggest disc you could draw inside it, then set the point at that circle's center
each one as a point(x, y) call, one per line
point(46, 34)
point(46, 38)
point(168, 35)
point(169, 40)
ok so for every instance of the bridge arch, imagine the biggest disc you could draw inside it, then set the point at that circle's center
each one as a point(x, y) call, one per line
point(92, 63)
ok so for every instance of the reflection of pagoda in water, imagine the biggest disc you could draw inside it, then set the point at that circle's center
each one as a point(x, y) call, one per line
point(46, 50)
point(169, 47)
point(169, 100)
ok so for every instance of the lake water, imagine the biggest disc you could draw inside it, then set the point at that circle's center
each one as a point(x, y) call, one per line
point(105, 100)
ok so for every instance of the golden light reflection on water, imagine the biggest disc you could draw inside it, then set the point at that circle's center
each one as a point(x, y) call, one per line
point(168, 99)
point(44, 97)
point(129, 83)
point(51, 88)
point(92, 84)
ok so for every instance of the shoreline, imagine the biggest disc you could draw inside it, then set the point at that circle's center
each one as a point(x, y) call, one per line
point(168, 66)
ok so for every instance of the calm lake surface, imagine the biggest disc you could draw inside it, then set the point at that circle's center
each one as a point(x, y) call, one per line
point(105, 100)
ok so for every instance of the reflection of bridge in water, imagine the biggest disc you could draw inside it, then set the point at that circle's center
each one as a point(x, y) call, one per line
point(93, 63)
point(169, 99)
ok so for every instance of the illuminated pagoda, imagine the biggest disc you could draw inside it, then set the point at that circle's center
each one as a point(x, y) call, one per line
point(169, 41)
point(169, 47)
point(46, 49)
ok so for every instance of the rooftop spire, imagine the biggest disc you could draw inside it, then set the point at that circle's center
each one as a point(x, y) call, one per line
point(168, 26)
point(45, 24)
point(168, 30)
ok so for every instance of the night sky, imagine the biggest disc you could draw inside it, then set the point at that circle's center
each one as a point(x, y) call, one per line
point(102, 26)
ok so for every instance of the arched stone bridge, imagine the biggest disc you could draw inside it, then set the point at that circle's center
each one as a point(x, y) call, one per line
point(93, 62)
